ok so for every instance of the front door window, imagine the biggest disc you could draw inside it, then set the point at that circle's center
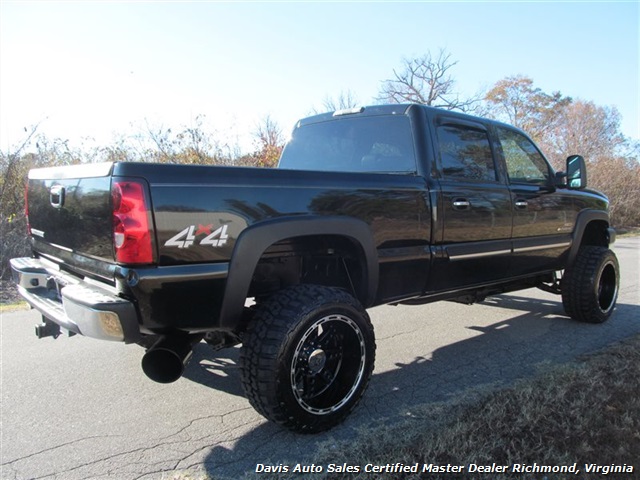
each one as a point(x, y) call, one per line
point(525, 164)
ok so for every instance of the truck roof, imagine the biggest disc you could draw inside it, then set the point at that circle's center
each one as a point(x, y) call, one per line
point(396, 109)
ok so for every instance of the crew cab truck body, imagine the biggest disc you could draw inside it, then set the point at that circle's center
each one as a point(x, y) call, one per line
point(401, 204)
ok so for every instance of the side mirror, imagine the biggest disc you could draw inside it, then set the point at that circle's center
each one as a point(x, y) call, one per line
point(576, 172)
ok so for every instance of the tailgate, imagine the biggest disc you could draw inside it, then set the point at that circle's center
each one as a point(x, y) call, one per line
point(70, 212)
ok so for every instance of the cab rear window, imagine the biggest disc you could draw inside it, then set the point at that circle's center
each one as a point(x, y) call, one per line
point(380, 144)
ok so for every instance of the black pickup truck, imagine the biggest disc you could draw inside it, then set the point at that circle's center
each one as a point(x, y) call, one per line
point(391, 204)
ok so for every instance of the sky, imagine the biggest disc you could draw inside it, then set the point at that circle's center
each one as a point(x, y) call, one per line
point(90, 71)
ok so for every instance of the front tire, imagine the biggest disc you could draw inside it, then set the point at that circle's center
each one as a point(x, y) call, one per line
point(307, 357)
point(590, 286)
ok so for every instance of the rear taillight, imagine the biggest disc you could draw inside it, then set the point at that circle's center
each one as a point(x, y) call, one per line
point(131, 223)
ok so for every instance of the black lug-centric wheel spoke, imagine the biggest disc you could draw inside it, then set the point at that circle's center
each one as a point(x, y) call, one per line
point(328, 381)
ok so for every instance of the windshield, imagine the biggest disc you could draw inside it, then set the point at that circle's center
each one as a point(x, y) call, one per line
point(380, 144)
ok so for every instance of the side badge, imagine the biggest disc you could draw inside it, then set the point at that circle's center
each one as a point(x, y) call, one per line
point(187, 237)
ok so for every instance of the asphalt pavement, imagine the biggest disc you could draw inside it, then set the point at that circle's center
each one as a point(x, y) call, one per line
point(77, 408)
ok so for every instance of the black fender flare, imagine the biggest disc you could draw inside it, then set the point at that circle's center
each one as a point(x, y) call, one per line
point(254, 240)
point(583, 219)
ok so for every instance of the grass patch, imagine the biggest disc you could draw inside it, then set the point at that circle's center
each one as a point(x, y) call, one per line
point(627, 232)
point(14, 307)
point(585, 412)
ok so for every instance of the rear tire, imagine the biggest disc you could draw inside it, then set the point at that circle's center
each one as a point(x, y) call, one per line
point(590, 286)
point(307, 357)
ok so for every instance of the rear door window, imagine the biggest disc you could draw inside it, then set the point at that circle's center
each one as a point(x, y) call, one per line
point(465, 154)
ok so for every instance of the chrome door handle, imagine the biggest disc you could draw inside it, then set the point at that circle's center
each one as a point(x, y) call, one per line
point(461, 204)
point(520, 203)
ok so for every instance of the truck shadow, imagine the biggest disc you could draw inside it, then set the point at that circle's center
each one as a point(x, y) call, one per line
point(218, 370)
point(496, 356)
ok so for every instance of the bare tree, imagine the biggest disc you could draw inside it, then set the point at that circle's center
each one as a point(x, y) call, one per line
point(156, 143)
point(594, 132)
point(562, 126)
point(426, 80)
point(346, 99)
point(269, 143)
point(14, 166)
point(196, 143)
point(589, 130)
point(619, 178)
point(516, 101)
point(11, 167)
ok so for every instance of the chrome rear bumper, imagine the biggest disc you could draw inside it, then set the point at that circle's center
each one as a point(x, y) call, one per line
point(76, 305)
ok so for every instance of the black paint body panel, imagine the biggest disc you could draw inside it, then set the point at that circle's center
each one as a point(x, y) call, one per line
point(415, 235)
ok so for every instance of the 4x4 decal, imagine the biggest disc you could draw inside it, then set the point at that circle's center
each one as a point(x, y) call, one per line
point(187, 237)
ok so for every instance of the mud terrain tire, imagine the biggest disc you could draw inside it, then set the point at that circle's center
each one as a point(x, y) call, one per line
point(307, 357)
point(590, 286)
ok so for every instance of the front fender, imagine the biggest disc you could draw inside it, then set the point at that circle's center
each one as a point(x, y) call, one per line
point(583, 220)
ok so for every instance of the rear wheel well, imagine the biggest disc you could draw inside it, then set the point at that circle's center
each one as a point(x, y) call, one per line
point(328, 260)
